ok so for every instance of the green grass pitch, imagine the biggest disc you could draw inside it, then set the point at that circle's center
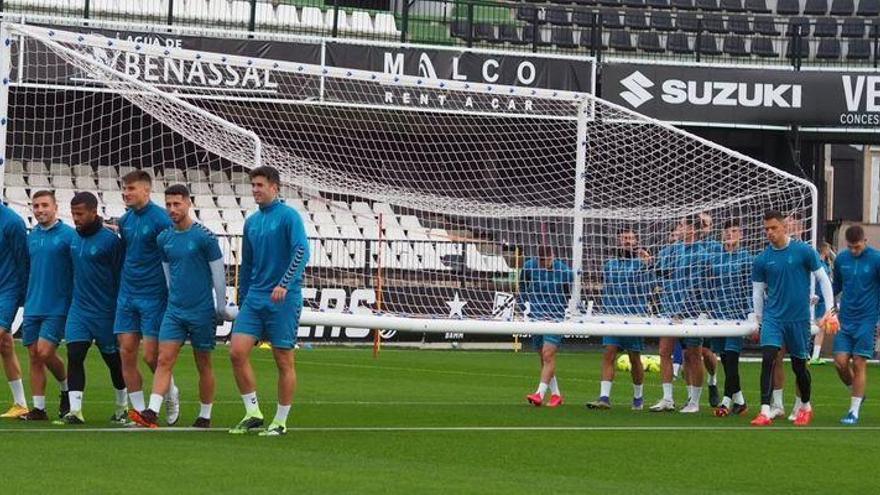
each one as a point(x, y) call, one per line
point(444, 422)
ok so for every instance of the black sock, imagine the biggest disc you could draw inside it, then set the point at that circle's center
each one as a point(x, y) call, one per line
point(115, 366)
point(76, 371)
point(768, 359)
point(730, 360)
point(802, 374)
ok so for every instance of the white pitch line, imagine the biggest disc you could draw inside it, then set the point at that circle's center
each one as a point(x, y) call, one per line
point(441, 429)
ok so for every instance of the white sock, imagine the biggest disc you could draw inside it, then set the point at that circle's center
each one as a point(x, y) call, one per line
point(696, 392)
point(777, 398)
point(137, 400)
point(854, 406)
point(554, 386)
point(765, 410)
point(121, 397)
point(281, 414)
point(604, 388)
point(797, 403)
point(40, 402)
point(250, 402)
point(542, 389)
point(816, 350)
point(205, 410)
point(676, 369)
point(637, 391)
point(62, 385)
point(667, 391)
point(156, 402)
point(725, 402)
point(738, 398)
point(172, 389)
point(18, 392)
point(76, 400)
point(713, 380)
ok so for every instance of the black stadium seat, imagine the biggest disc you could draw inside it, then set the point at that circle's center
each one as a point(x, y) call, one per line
point(556, 16)
point(708, 5)
point(562, 37)
point(816, 7)
point(826, 27)
point(526, 12)
point(484, 31)
point(714, 23)
point(611, 19)
point(804, 48)
point(869, 8)
point(732, 5)
point(853, 27)
point(586, 38)
point(678, 43)
point(735, 46)
point(634, 4)
point(635, 19)
point(763, 47)
point(687, 22)
point(766, 25)
point(798, 22)
point(582, 18)
point(739, 24)
point(682, 4)
point(610, 3)
point(649, 42)
point(829, 49)
point(659, 4)
point(621, 40)
point(459, 29)
point(510, 34)
point(661, 21)
point(788, 7)
point(842, 7)
point(708, 45)
point(858, 49)
point(757, 6)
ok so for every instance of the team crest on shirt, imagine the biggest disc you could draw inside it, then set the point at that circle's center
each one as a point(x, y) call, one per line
point(273, 225)
point(145, 229)
point(94, 250)
point(190, 246)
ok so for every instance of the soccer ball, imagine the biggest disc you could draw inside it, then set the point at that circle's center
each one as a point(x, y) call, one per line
point(651, 363)
point(623, 363)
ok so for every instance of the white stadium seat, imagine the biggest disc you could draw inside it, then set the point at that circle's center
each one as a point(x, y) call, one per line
point(342, 22)
point(360, 22)
point(232, 215)
point(14, 179)
point(15, 166)
point(266, 14)
point(113, 198)
point(83, 170)
point(328, 231)
point(235, 228)
point(227, 201)
point(108, 184)
point(350, 232)
point(362, 208)
point(240, 11)
point(201, 188)
point(39, 181)
point(385, 24)
point(84, 183)
point(317, 206)
point(248, 203)
point(17, 194)
point(215, 226)
point(218, 11)
point(311, 18)
point(410, 222)
point(383, 208)
point(158, 198)
point(36, 168)
point(174, 176)
point(63, 197)
point(114, 211)
point(62, 182)
point(196, 174)
point(210, 214)
point(59, 169)
point(286, 16)
point(222, 188)
point(204, 201)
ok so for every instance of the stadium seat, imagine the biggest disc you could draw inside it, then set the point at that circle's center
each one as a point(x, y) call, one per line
point(816, 7)
point(649, 42)
point(678, 43)
point(39, 181)
point(562, 37)
point(853, 27)
point(529, 35)
point(585, 2)
point(484, 31)
point(358, 22)
point(858, 49)
point(610, 3)
point(708, 5)
point(869, 8)
point(829, 49)
point(218, 11)
point(635, 19)
point(350, 232)
point(739, 24)
point(239, 11)
point(621, 40)
point(62, 182)
point(36, 168)
point(842, 7)
point(235, 228)
point(247, 202)
point(267, 16)
point(385, 23)
point(509, 33)
point(804, 49)
point(460, 28)
point(610, 19)
point(114, 211)
point(557, 16)
point(634, 4)
point(311, 18)
point(732, 6)
point(16, 166)
point(763, 47)
point(688, 22)
point(203, 201)
point(583, 18)
point(788, 7)
point(108, 184)
point(757, 6)
point(714, 23)
point(84, 183)
point(661, 21)
point(232, 215)
point(826, 27)
point(341, 19)
point(798, 22)
point(659, 4)
point(707, 45)
point(56, 169)
point(586, 38)
point(683, 4)
point(527, 13)
point(63, 196)
point(766, 25)
point(735, 46)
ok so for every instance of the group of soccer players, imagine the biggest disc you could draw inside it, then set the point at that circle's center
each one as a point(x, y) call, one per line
point(157, 279)
point(694, 275)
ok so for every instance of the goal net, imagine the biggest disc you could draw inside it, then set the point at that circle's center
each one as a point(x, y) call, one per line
point(431, 205)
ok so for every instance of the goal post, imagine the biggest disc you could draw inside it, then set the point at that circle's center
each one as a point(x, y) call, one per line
point(444, 201)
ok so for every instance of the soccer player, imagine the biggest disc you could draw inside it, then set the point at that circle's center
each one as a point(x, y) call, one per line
point(628, 280)
point(827, 256)
point(857, 279)
point(710, 361)
point(782, 274)
point(194, 266)
point(730, 271)
point(96, 253)
point(142, 290)
point(13, 287)
point(546, 285)
point(683, 268)
point(50, 287)
point(275, 252)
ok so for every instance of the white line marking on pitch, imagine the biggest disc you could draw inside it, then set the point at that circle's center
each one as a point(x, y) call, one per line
point(379, 429)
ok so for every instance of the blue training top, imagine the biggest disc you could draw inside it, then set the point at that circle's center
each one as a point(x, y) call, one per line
point(275, 251)
point(142, 274)
point(97, 262)
point(189, 254)
point(547, 291)
point(858, 278)
point(627, 286)
point(787, 272)
point(50, 279)
point(731, 290)
point(14, 259)
point(683, 269)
